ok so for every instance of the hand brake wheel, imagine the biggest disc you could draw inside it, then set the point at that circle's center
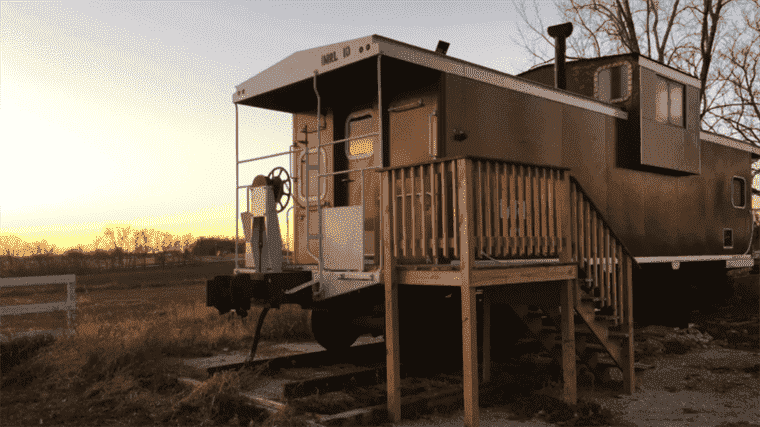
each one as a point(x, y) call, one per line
point(281, 187)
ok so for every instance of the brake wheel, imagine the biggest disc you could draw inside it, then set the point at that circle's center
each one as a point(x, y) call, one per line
point(280, 180)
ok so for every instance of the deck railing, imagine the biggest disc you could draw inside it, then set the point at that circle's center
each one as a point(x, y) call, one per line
point(515, 210)
point(416, 191)
point(520, 211)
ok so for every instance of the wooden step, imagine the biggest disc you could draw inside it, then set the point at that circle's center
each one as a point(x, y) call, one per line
point(606, 319)
point(588, 298)
point(617, 335)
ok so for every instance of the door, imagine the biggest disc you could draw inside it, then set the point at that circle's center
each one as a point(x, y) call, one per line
point(360, 154)
point(414, 129)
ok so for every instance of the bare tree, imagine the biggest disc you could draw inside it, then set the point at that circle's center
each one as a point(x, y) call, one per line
point(742, 111)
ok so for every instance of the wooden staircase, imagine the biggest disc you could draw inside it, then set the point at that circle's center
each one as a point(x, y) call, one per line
point(599, 344)
point(602, 295)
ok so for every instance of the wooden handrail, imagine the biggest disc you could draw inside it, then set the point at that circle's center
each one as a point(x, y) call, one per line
point(575, 181)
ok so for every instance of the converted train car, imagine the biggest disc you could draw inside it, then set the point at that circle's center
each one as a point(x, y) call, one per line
point(411, 166)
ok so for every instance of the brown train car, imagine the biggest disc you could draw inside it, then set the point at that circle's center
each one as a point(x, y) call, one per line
point(417, 149)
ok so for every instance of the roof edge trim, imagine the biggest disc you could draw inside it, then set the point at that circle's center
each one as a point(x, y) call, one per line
point(728, 142)
point(483, 74)
point(668, 72)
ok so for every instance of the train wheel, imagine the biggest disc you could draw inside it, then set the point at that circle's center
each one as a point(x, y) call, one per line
point(333, 329)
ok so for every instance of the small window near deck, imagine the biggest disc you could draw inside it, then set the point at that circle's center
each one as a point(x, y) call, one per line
point(612, 82)
point(738, 192)
point(669, 102)
point(358, 126)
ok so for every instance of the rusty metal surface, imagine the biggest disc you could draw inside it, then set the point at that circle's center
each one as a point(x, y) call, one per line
point(501, 123)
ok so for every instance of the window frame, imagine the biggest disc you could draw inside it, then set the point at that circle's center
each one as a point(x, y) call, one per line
point(669, 83)
point(358, 114)
point(744, 191)
point(629, 84)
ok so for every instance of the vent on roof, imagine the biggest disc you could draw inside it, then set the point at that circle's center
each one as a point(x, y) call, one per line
point(442, 48)
point(560, 33)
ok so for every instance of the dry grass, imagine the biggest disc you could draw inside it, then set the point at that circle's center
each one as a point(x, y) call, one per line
point(121, 371)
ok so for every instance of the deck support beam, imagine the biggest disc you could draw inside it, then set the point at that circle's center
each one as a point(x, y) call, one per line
point(466, 214)
point(470, 357)
point(487, 296)
point(567, 303)
point(393, 360)
point(629, 374)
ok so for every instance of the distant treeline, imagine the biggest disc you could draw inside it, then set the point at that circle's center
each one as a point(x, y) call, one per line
point(216, 246)
point(79, 263)
point(127, 249)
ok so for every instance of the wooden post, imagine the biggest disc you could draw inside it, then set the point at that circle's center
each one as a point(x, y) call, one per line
point(393, 361)
point(568, 294)
point(469, 309)
point(567, 300)
point(486, 335)
point(629, 375)
point(470, 356)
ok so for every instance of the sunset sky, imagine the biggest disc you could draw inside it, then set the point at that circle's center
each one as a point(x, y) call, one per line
point(116, 114)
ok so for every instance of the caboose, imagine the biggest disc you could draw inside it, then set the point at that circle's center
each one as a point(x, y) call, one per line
point(560, 195)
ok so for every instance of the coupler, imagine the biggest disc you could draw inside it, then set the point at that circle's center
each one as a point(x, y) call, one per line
point(238, 292)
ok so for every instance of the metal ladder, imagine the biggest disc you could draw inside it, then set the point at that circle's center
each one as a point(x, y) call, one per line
point(307, 178)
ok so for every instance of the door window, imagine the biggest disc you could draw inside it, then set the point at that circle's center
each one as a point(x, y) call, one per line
point(359, 124)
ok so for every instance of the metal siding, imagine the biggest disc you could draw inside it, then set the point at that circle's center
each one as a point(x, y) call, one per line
point(667, 215)
point(648, 80)
point(721, 164)
point(502, 123)
point(662, 145)
point(627, 207)
point(409, 132)
point(585, 143)
point(692, 216)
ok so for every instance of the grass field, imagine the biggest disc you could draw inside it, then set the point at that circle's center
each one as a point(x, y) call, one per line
point(120, 367)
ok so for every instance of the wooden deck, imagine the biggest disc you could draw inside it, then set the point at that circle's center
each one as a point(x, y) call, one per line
point(491, 225)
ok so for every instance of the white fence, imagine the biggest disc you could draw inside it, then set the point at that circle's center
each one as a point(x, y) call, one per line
point(69, 304)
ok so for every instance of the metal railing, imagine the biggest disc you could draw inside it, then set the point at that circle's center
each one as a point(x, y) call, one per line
point(309, 167)
point(69, 304)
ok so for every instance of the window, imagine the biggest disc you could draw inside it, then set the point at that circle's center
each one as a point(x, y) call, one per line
point(358, 125)
point(669, 102)
point(738, 192)
point(612, 82)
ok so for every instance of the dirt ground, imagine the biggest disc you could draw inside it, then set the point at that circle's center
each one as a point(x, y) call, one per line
point(705, 387)
point(707, 375)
